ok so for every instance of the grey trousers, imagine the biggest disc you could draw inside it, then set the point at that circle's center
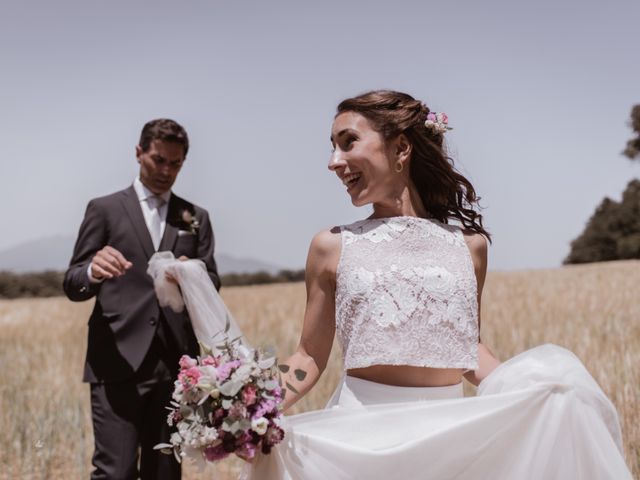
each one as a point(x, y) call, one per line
point(130, 418)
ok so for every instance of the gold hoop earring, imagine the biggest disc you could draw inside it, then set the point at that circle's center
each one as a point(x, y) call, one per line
point(398, 167)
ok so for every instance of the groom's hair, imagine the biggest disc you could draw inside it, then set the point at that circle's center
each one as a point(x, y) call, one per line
point(163, 129)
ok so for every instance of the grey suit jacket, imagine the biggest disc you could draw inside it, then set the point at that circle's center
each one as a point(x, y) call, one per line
point(126, 312)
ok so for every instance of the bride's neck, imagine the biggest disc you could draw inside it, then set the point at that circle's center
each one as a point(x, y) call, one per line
point(407, 203)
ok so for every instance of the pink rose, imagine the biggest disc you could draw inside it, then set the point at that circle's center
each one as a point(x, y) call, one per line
point(187, 362)
point(189, 377)
point(445, 118)
point(209, 360)
point(431, 116)
point(249, 396)
point(238, 410)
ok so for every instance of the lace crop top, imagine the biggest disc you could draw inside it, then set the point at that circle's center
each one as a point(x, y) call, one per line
point(406, 294)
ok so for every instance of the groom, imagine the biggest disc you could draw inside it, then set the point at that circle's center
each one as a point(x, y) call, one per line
point(133, 344)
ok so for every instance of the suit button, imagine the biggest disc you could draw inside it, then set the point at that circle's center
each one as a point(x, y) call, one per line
point(153, 321)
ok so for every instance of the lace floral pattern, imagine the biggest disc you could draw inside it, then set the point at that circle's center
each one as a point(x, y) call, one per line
point(406, 294)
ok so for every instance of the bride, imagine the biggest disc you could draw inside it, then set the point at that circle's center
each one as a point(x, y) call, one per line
point(402, 290)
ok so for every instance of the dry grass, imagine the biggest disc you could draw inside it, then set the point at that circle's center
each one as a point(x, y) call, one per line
point(45, 427)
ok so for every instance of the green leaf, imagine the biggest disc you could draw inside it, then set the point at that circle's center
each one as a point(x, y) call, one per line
point(271, 384)
point(204, 350)
point(266, 363)
point(162, 446)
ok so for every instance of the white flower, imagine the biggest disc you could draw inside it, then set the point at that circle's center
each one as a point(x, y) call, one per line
point(176, 439)
point(242, 373)
point(208, 378)
point(244, 352)
point(209, 435)
point(260, 425)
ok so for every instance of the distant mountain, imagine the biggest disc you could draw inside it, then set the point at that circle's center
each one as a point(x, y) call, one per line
point(53, 253)
point(231, 264)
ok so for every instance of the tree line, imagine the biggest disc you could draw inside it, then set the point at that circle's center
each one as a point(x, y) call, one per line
point(49, 283)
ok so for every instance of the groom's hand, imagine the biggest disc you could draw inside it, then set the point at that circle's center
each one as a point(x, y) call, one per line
point(109, 263)
point(168, 276)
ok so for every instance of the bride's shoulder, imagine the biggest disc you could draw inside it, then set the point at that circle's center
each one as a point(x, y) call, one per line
point(324, 251)
point(475, 241)
point(478, 246)
point(326, 242)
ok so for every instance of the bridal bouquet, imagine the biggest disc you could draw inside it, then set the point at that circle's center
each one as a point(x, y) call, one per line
point(225, 402)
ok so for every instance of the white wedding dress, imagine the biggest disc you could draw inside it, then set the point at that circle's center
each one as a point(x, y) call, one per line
point(539, 415)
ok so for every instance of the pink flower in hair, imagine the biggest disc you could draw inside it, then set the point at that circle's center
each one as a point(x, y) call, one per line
point(437, 122)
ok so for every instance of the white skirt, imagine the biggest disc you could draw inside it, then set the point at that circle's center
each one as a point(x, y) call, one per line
point(355, 392)
point(539, 415)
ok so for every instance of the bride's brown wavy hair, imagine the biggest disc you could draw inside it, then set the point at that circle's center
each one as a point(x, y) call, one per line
point(445, 193)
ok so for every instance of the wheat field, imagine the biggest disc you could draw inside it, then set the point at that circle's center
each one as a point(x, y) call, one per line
point(45, 428)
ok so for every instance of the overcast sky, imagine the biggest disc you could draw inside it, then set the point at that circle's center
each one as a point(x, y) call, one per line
point(539, 95)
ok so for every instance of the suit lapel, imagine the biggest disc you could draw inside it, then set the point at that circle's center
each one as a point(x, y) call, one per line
point(134, 211)
point(171, 225)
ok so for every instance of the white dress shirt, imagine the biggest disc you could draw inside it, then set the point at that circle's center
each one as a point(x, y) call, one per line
point(144, 194)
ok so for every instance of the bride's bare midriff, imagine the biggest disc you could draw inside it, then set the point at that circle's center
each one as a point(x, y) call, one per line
point(408, 376)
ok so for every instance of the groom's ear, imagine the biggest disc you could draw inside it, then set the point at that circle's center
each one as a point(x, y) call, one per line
point(138, 152)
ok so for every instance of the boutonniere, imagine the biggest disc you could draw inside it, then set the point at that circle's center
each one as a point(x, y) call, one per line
point(191, 221)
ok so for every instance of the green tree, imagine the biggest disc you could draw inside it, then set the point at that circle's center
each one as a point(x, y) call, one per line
point(632, 149)
point(612, 232)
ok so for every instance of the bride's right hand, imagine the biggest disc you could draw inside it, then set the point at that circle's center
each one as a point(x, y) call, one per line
point(487, 363)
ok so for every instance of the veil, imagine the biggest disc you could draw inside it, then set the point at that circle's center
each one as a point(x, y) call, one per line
point(211, 320)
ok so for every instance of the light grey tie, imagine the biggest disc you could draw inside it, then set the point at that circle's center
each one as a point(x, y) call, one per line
point(155, 221)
